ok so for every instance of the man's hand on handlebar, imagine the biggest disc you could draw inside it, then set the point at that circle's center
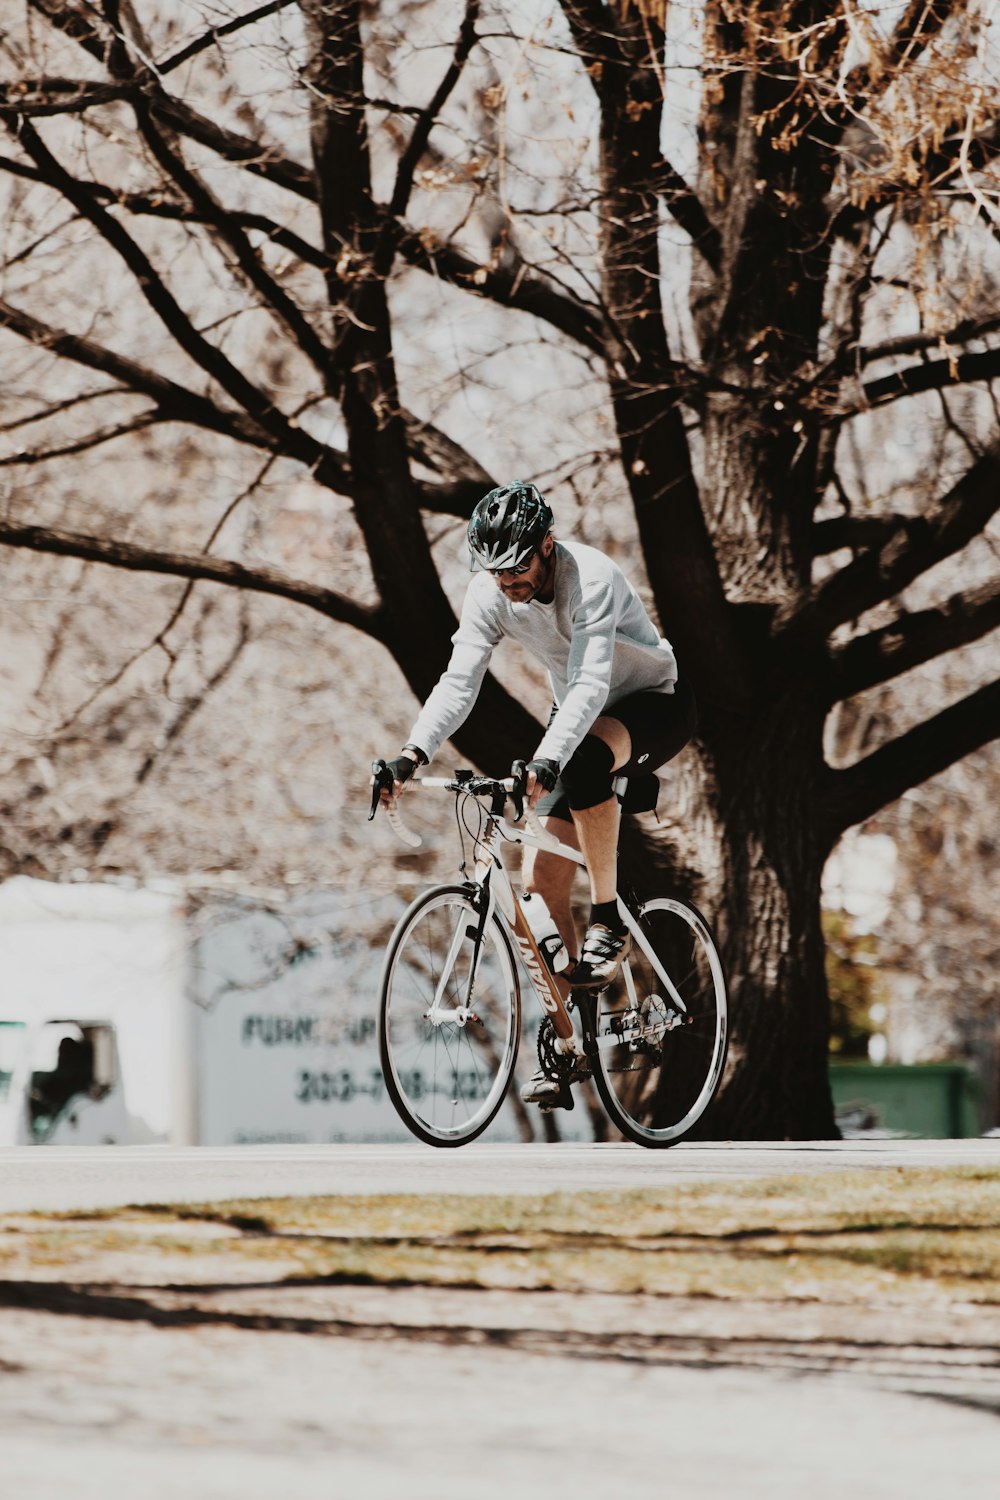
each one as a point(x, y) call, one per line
point(537, 777)
point(388, 779)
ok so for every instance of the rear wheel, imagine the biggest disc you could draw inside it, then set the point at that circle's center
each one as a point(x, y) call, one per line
point(448, 1045)
point(661, 1029)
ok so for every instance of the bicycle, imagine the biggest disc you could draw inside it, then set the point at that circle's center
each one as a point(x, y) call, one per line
point(449, 1023)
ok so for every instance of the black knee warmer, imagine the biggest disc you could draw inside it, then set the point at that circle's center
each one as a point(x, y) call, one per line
point(586, 776)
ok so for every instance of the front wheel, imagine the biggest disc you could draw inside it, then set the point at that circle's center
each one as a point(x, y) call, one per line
point(448, 1036)
point(661, 1030)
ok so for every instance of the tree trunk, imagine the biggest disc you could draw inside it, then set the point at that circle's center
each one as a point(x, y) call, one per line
point(754, 816)
point(744, 836)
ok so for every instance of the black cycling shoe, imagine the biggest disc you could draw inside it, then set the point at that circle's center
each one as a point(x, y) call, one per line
point(548, 1093)
point(600, 957)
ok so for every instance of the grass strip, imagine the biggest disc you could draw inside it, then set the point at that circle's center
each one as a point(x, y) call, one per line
point(901, 1234)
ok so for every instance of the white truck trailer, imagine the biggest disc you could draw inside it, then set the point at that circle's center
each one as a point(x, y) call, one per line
point(133, 1016)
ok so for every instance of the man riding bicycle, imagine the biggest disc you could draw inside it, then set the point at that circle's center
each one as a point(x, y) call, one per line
point(619, 707)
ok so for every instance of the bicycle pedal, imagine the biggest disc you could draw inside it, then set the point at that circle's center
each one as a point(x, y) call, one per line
point(563, 1100)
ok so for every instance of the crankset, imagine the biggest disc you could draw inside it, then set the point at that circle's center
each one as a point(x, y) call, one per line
point(561, 1067)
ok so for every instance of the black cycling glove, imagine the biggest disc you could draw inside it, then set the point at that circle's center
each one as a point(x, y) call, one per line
point(546, 773)
point(402, 767)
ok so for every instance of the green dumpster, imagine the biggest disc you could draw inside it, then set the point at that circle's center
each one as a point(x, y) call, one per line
point(925, 1099)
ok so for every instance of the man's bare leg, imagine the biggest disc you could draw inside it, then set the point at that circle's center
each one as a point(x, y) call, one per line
point(598, 826)
point(594, 831)
point(553, 878)
point(597, 830)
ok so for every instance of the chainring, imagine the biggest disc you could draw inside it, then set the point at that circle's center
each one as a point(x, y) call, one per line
point(559, 1066)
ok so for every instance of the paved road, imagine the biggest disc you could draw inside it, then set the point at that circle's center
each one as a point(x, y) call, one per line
point(70, 1178)
point(101, 1409)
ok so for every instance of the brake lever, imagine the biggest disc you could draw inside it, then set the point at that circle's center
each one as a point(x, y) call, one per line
point(519, 774)
point(382, 782)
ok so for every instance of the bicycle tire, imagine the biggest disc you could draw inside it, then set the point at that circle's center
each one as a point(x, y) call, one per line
point(447, 1080)
point(656, 1068)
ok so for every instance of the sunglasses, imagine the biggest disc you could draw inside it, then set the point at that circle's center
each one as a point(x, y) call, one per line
point(520, 568)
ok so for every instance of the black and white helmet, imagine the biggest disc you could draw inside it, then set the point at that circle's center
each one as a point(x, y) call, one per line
point(507, 525)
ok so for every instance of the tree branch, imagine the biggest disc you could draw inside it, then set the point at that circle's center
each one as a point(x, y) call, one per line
point(82, 445)
point(509, 286)
point(223, 224)
point(961, 369)
point(265, 161)
point(593, 30)
point(56, 408)
point(939, 171)
point(128, 555)
point(74, 95)
point(163, 208)
point(455, 497)
point(850, 357)
point(854, 531)
point(208, 356)
point(212, 36)
point(513, 287)
point(687, 210)
point(417, 144)
point(174, 399)
point(285, 432)
point(178, 403)
point(913, 547)
point(914, 638)
point(466, 479)
point(197, 700)
point(863, 789)
point(72, 22)
point(919, 24)
point(914, 343)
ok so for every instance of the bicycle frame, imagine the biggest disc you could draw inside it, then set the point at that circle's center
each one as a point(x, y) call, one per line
point(493, 877)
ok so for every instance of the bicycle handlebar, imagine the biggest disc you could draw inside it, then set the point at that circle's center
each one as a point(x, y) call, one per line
point(476, 786)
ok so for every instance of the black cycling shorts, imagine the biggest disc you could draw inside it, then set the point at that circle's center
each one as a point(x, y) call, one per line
point(659, 726)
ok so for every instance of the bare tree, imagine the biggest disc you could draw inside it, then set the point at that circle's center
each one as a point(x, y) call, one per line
point(840, 222)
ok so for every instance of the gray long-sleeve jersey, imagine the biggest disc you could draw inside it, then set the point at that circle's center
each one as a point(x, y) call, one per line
point(595, 639)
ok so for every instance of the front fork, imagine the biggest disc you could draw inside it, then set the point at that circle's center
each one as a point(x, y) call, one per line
point(482, 900)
